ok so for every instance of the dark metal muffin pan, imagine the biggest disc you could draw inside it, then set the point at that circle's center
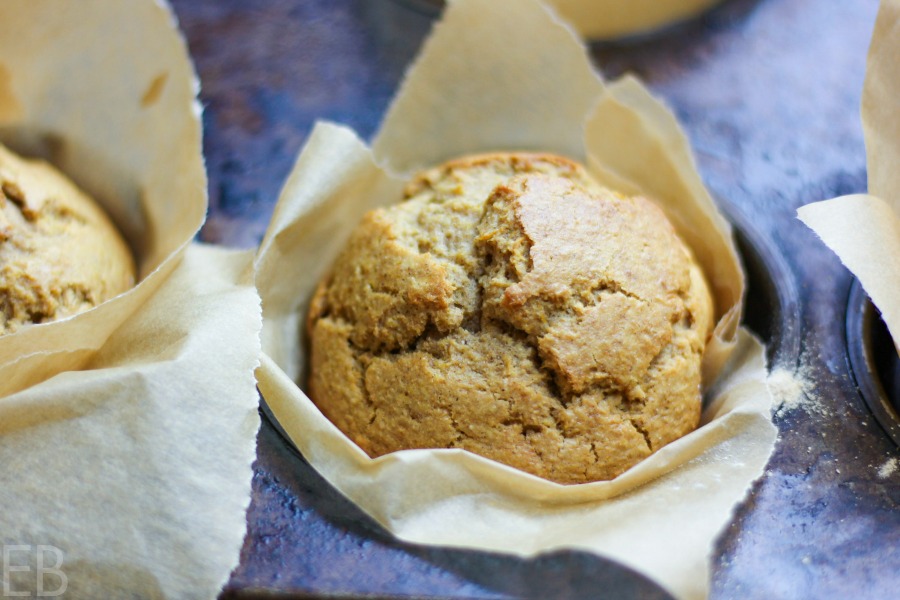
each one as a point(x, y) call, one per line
point(772, 302)
point(768, 91)
point(874, 360)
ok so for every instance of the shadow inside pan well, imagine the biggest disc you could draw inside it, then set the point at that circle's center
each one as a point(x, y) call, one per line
point(874, 361)
point(771, 302)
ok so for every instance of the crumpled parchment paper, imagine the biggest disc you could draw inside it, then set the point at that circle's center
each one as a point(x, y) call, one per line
point(508, 75)
point(127, 433)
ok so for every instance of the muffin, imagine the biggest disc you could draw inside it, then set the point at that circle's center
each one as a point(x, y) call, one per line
point(59, 252)
point(513, 307)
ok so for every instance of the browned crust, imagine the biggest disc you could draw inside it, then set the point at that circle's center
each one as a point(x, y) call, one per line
point(60, 254)
point(513, 307)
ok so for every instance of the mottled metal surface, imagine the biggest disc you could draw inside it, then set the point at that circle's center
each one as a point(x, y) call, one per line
point(768, 91)
point(305, 537)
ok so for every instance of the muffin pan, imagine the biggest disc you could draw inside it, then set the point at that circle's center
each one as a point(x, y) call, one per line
point(771, 130)
point(772, 303)
point(874, 360)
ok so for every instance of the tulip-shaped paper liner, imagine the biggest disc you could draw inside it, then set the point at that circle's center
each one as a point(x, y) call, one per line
point(506, 75)
point(864, 230)
point(127, 432)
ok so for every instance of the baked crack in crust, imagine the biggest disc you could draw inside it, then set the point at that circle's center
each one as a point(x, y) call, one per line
point(513, 307)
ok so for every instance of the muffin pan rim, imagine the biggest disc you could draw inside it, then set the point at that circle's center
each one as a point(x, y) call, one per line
point(861, 321)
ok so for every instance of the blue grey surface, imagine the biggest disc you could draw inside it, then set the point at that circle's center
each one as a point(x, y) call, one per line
point(768, 91)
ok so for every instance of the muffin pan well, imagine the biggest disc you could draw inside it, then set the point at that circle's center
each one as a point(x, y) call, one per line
point(295, 509)
point(772, 302)
point(874, 360)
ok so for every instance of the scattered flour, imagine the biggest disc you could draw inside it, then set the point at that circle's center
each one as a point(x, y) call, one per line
point(888, 468)
point(796, 389)
point(793, 389)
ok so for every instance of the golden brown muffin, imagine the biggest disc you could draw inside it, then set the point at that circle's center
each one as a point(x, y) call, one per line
point(513, 307)
point(59, 252)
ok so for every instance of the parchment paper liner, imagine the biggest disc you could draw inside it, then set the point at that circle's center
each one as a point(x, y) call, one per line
point(505, 74)
point(864, 230)
point(601, 19)
point(136, 468)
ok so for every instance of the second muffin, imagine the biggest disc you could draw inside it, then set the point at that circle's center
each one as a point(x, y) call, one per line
point(513, 307)
point(60, 254)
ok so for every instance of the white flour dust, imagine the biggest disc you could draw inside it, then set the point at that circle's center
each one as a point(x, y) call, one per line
point(888, 468)
point(793, 389)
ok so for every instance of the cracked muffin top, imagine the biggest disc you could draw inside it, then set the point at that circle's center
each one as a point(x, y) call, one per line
point(513, 307)
point(59, 252)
